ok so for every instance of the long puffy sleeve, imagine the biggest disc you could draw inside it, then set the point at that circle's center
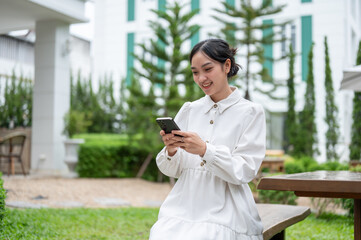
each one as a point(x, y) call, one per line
point(241, 164)
point(172, 165)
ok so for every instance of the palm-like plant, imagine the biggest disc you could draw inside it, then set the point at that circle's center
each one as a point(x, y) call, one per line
point(247, 21)
point(165, 68)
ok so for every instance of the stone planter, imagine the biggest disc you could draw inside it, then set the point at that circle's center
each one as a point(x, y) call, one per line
point(71, 155)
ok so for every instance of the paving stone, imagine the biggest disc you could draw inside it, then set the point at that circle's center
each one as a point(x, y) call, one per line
point(150, 203)
point(69, 204)
point(112, 201)
point(21, 204)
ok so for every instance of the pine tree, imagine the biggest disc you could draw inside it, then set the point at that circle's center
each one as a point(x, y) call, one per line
point(165, 68)
point(251, 42)
point(355, 146)
point(308, 130)
point(331, 111)
point(16, 102)
point(291, 120)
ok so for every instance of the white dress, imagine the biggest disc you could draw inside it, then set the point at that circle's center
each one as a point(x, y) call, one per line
point(212, 201)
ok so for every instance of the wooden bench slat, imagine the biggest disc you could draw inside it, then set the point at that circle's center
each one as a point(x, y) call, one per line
point(277, 217)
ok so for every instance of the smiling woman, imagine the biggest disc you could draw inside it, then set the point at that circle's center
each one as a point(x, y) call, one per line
point(215, 156)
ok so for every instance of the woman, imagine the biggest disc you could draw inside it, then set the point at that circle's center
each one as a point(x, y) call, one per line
point(219, 151)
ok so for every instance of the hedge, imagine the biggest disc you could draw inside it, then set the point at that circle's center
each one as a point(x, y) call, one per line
point(114, 161)
point(2, 202)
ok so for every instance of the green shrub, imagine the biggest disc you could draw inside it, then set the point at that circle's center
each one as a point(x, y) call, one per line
point(277, 197)
point(294, 167)
point(2, 202)
point(75, 122)
point(111, 155)
point(333, 166)
point(356, 168)
point(309, 164)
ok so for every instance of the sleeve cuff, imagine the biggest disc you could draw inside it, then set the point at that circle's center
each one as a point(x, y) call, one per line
point(208, 157)
point(171, 158)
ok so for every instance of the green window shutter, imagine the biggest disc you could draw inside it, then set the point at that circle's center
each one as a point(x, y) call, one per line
point(306, 30)
point(268, 49)
point(195, 37)
point(306, 1)
point(263, 2)
point(130, 57)
point(161, 5)
point(231, 35)
point(131, 10)
point(195, 4)
point(231, 2)
point(161, 63)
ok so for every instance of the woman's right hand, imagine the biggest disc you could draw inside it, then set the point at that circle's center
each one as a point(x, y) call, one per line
point(169, 141)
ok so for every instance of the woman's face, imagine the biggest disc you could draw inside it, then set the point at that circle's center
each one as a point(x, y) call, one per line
point(211, 76)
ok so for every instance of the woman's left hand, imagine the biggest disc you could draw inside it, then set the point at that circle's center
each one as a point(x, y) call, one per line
point(190, 142)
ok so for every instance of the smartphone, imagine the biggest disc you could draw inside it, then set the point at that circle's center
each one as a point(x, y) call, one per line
point(167, 124)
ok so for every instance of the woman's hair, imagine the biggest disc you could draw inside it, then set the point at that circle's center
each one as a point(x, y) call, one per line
point(218, 50)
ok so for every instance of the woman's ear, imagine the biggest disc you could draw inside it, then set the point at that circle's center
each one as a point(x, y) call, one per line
point(227, 66)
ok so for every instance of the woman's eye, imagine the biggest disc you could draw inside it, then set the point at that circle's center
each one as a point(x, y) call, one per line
point(194, 73)
point(208, 69)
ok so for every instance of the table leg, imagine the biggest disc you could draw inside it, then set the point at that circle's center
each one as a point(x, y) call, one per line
point(357, 219)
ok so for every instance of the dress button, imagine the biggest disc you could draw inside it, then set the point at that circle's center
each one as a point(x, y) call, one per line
point(202, 164)
point(215, 105)
point(169, 158)
point(211, 122)
point(207, 141)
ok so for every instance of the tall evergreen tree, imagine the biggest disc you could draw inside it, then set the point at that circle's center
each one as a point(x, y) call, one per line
point(291, 120)
point(16, 102)
point(247, 21)
point(308, 130)
point(165, 68)
point(355, 146)
point(332, 133)
point(91, 111)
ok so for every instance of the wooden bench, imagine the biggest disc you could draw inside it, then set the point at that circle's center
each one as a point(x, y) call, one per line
point(277, 217)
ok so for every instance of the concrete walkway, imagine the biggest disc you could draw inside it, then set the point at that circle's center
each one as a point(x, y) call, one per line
point(45, 192)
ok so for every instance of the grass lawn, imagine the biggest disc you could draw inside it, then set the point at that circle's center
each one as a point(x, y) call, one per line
point(134, 224)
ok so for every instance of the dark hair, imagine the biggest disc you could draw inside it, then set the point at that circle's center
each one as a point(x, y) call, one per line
point(218, 50)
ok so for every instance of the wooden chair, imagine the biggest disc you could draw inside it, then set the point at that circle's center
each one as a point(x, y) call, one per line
point(11, 147)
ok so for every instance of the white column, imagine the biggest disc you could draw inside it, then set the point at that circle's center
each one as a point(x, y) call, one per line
point(51, 97)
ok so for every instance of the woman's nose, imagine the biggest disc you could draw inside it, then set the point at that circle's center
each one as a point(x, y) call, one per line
point(202, 77)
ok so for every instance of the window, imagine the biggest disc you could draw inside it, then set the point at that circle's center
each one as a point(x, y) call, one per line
point(293, 36)
point(131, 10)
point(283, 43)
point(268, 48)
point(130, 57)
point(195, 37)
point(306, 29)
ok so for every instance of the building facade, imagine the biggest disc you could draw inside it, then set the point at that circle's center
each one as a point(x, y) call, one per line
point(121, 25)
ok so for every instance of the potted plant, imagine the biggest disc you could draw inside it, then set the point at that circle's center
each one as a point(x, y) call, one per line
point(75, 123)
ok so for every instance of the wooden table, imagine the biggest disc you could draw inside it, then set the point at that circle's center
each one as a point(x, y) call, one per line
point(328, 184)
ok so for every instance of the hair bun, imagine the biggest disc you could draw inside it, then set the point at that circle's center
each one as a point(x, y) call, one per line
point(234, 51)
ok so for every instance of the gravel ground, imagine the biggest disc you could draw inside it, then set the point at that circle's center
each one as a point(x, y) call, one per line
point(90, 193)
point(35, 192)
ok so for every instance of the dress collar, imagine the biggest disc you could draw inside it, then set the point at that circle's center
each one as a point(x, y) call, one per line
point(232, 99)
